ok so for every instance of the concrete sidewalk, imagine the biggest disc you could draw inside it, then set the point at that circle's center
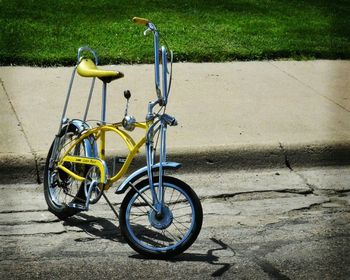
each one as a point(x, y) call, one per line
point(239, 114)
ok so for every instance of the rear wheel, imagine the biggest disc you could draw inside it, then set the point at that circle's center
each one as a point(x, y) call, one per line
point(60, 189)
point(165, 235)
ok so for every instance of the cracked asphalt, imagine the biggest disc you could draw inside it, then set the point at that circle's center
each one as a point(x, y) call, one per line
point(258, 224)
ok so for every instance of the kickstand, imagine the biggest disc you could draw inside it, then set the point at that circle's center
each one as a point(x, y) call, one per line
point(110, 205)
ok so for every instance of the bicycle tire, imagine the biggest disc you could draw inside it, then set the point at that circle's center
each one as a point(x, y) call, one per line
point(166, 229)
point(61, 208)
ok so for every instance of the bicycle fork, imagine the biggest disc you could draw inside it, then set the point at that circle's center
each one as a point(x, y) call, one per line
point(157, 195)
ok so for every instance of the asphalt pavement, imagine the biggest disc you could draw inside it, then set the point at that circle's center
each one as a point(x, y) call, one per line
point(230, 115)
point(262, 224)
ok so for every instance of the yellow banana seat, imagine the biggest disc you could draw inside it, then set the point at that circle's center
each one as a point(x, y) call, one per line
point(87, 68)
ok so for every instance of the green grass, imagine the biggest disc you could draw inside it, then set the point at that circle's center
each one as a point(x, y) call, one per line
point(48, 32)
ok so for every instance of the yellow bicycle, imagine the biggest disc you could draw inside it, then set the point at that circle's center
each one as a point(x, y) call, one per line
point(160, 216)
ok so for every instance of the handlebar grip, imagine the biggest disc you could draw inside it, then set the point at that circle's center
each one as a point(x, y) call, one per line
point(140, 21)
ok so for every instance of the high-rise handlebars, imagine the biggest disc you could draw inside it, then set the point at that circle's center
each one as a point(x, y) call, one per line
point(162, 92)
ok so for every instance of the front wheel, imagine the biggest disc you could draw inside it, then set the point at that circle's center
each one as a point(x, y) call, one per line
point(166, 235)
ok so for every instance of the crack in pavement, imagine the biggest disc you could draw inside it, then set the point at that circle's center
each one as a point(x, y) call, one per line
point(224, 196)
point(312, 205)
point(29, 222)
point(22, 211)
point(34, 234)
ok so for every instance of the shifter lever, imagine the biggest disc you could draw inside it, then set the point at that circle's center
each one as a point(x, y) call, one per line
point(127, 95)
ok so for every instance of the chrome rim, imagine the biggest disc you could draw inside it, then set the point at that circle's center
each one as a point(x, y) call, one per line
point(63, 188)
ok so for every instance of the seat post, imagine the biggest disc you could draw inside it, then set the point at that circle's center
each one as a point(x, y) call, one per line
point(104, 103)
point(103, 120)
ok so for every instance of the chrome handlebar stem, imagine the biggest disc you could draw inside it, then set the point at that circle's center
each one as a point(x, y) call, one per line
point(162, 92)
point(153, 28)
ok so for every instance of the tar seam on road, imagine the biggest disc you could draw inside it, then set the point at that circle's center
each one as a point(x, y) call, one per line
point(286, 160)
point(306, 85)
point(24, 133)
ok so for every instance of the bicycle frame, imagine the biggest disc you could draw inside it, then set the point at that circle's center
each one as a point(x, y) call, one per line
point(99, 133)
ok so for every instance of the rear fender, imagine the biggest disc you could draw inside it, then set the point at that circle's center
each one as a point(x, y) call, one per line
point(90, 144)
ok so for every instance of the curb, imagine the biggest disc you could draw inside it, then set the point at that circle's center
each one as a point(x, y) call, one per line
point(16, 168)
point(29, 169)
point(265, 156)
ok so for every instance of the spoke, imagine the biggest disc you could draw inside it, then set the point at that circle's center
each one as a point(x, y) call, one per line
point(163, 233)
point(140, 195)
point(141, 203)
point(178, 229)
point(152, 240)
point(134, 220)
point(181, 223)
point(183, 200)
point(65, 197)
point(183, 215)
point(174, 237)
point(138, 215)
point(138, 221)
point(145, 194)
point(138, 225)
point(138, 210)
point(181, 207)
point(175, 201)
point(172, 193)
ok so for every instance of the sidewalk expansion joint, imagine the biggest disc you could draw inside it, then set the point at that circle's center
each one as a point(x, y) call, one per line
point(35, 156)
point(308, 86)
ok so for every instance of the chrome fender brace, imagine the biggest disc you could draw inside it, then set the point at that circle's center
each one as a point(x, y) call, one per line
point(143, 172)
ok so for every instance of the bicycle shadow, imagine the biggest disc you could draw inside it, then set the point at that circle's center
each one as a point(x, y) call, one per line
point(209, 257)
point(95, 227)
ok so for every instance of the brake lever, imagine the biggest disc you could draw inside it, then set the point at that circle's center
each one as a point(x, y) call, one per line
point(148, 30)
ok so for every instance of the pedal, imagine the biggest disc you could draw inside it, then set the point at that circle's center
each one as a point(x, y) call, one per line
point(77, 206)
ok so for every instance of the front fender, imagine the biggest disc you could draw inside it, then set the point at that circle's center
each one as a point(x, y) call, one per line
point(143, 172)
point(90, 144)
